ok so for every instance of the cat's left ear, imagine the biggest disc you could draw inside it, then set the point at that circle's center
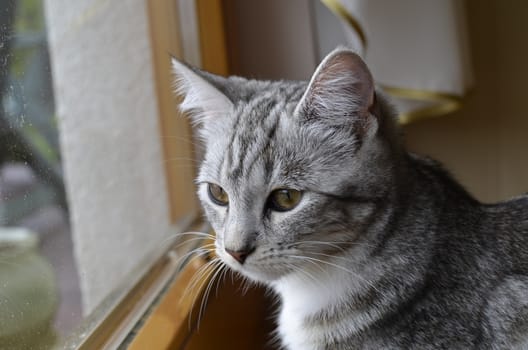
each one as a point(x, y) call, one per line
point(202, 99)
point(341, 93)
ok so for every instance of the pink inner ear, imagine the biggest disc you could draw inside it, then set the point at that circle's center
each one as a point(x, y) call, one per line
point(349, 75)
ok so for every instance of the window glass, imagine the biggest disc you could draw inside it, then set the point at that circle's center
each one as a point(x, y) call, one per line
point(39, 290)
point(96, 167)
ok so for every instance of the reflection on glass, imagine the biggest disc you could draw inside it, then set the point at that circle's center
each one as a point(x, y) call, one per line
point(39, 291)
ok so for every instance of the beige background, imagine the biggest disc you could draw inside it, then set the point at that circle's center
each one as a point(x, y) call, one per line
point(484, 145)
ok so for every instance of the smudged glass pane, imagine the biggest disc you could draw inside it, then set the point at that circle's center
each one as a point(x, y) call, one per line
point(39, 291)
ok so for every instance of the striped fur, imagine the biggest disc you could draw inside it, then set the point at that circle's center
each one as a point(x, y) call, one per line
point(385, 250)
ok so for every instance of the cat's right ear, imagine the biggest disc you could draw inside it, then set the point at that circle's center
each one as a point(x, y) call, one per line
point(340, 94)
point(202, 101)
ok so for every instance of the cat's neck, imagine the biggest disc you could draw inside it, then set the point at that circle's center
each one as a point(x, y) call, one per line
point(323, 298)
point(321, 286)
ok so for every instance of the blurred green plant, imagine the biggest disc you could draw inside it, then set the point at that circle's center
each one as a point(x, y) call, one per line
point(29, 20)
point(29, 16)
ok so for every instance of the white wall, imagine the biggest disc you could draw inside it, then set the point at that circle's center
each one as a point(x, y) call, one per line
point(107, 111)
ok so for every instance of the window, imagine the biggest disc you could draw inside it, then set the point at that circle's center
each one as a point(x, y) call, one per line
point(96, 171)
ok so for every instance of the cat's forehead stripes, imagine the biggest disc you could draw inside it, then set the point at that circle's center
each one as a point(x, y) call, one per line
point(254, 128)
point(251, 140)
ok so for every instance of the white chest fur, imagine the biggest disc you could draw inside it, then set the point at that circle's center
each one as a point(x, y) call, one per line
point(302, 299)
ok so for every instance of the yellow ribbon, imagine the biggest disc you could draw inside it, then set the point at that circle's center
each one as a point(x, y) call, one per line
point(338, 10)
point(442, 103)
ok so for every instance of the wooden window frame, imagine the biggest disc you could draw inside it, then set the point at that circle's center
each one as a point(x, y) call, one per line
point(175, 323)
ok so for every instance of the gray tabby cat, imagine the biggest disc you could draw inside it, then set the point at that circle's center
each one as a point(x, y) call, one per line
point(311, 192)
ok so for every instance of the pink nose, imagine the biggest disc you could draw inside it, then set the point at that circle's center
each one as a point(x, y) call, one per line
point(240, 255)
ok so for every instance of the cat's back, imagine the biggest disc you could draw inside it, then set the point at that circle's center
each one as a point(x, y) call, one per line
point(505, 311)
point(478, 272)
point(498, 226)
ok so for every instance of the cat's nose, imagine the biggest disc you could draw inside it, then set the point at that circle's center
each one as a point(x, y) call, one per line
point(240, 255)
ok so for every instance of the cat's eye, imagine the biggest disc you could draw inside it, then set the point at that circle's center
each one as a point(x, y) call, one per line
point(217, 194)
point(284, 199)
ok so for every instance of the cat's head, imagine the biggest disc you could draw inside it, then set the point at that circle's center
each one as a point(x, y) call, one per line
point(291, 169)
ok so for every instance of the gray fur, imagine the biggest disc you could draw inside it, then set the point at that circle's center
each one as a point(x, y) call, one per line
point(385, 249)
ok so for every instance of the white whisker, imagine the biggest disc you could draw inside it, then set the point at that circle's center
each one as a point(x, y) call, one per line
point(337, 267)
point(197, 282)
point(213, 264)
point(218, 269)
point(190, 286)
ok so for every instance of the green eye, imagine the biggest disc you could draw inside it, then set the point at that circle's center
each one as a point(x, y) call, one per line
point(217, 194)
point(284, 199)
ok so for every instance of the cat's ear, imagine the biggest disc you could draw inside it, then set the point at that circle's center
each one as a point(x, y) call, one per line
point(202, 100)
point(341, 93)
